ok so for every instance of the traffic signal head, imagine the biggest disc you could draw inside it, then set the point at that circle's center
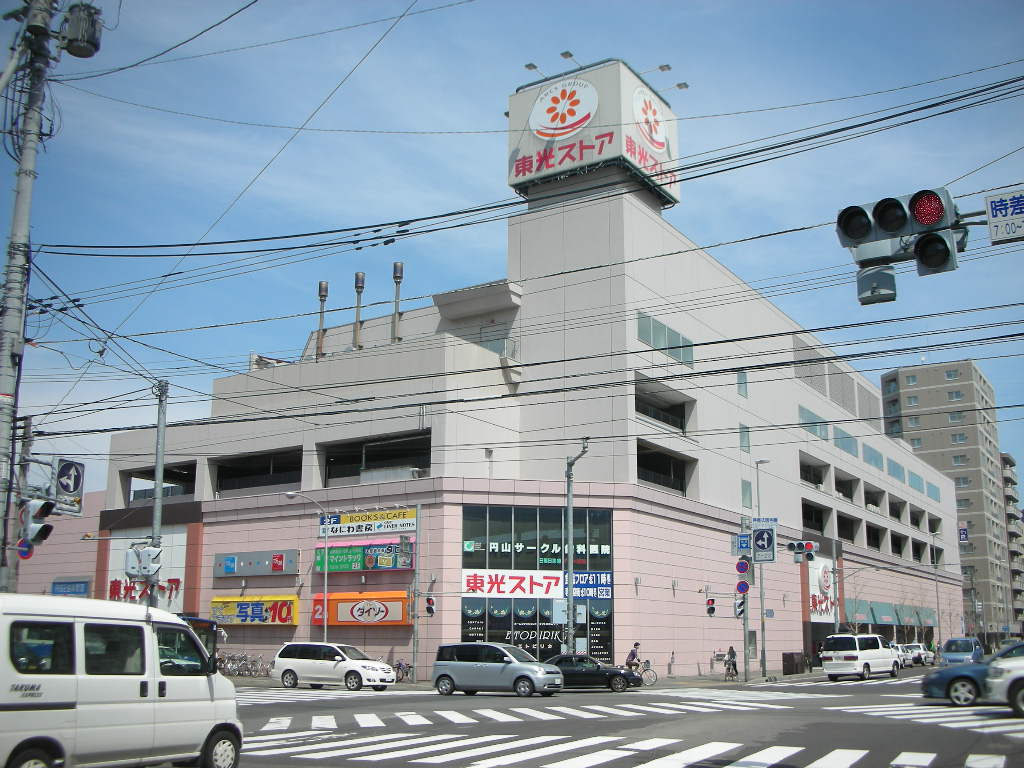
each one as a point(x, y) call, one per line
point(430, 606)
point(801, 550)
point(739, 606)
point(34, 514)
point(710, 602)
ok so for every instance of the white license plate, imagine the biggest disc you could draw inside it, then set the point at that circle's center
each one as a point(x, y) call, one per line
point(558, 680)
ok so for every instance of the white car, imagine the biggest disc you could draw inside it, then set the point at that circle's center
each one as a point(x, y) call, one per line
point(1004, 681)
point(859, 656)
point(906, 655)
point(921, 654)
point(320, 664)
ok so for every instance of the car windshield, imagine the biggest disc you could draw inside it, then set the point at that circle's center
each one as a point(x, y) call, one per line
point(958, 646)
point(353, 653)
point(913, 647)
point(519, 654)
point(841, 643)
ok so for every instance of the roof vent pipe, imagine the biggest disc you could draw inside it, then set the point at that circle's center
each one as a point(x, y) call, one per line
point(398, 268)
point(357, 325)
point(320, 330)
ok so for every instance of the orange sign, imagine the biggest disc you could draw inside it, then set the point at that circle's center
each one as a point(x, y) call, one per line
point(353, 609)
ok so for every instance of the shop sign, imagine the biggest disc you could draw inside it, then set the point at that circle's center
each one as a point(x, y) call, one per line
point(277, 610)
point(270, 562)
point(822, 591)
point(364, 557)
point(350, 609)
point(373, 521)
point(128, 591)
point(591, 585)
point(479, 582)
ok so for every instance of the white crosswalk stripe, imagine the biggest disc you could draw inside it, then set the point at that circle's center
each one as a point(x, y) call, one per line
point(250, 696)
point(564, 751)
point(991, 719)
point(830, 683)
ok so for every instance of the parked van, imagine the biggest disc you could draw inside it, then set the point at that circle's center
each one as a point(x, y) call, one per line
point(858, 655)
point(472, 667)
point(98, 683)
point(319, 664)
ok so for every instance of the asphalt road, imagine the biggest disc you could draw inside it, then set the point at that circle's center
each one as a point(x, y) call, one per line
point(795, 723)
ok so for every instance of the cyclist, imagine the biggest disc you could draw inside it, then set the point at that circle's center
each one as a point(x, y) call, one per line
point(633, 658)
point(730, 662)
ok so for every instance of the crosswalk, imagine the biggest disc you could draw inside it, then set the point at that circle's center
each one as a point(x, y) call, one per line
point(744, 695)
point(842, 682)
point(249, 696)
point(510, 715)
point(561, 751)
point(989, 720)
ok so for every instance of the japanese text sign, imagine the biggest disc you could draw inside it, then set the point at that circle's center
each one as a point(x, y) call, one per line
point(362, 608)
point(508, 583)
point(587, 585)
point(373, 521)
point(1005, 213)
point(277, 610)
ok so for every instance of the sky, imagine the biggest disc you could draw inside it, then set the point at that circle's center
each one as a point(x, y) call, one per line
point(404, 120)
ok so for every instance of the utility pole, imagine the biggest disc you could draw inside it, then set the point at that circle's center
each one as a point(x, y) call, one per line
point(745, 528)
point(760, 574)
point(153, 579)
point(568, 552)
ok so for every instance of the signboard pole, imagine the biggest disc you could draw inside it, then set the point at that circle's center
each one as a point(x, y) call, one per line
point(414, 603)
point(327, 550)
point(760, 572)
point(745, 528)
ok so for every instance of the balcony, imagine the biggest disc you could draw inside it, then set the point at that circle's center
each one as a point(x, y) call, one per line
point(1011, 494)
point(1016, 547)
point(1009, 475)
point(652, 411)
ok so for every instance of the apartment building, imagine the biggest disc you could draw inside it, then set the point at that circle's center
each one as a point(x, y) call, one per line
point(437, 442)
point(945, 412)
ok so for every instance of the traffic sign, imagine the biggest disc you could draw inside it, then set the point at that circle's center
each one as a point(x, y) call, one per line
point(764, 545)
point(743, 542)
point(963, 535)
point(742, 566)
point(70, 475)
point(25, 549)
point(1005, 213)
point(742, 587)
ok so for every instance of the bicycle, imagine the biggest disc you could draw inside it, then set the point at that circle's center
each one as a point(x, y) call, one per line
point(648, 675)
point(402, 671)
point(731, 673)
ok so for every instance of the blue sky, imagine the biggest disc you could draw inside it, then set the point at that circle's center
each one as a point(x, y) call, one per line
point(137, 161)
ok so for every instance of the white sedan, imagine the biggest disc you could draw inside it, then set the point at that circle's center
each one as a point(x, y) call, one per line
point(921, 654)
point(906, 655)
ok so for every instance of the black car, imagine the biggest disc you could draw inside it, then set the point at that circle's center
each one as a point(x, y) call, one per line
point(582, 671)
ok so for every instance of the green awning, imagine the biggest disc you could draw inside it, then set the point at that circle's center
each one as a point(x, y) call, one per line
point(927, 616)
point(858, 611)
point(907, 615)
point(884, 613)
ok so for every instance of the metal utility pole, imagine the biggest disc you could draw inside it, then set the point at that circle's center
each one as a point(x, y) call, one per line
point(745, 528)
point(158, 483)
point(760, 573)
point(320, 331)
point(938, 608)
point(568, 552)
point(12, 320)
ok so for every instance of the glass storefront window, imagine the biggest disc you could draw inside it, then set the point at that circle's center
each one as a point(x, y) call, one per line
point(474, 537)
point(499, 620)
point(600, 539)
point(524, 532)
point(499, 538)
point(549, 555)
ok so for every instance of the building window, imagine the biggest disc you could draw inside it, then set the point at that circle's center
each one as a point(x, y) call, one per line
point(746, 494)
point(896, 470)
point(892, 407)
point(960, 460)
point(963, 503)
point(845, 442)
point(956, 417)
point(952, 374)
point(913, 421)
point(892, 428)
point(911, 380)
point(741, 383)
point(916, 481)
point(962, 482)
point(954, 395)
point(813, 423)
point(915, 442)
point(744, 438)
point(873, 457)
point(890, 386)
point(958, 437)
point(933, 492)
point(911, 399)
point(656, 334)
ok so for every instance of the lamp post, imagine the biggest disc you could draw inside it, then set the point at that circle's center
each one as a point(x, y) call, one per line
point(760, 570)
point(568, 553)
point(327, 528)
point(938, 609)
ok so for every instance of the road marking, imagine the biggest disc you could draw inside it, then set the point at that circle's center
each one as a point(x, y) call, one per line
point(501, 717)
point(537, 713)
point(691, 756)
point(277, 724)
point(913, 760)
point(324, 721)
point(647, 744)
point(375, 740)
point(765, 758)
point(839, 758)
point(278, 737)
point(594, 758)
point(448, 758)
point(377, 746)
point(554, 749)
point(688, 707)
point(575, 712)
point(613, 710)
point(985, 761)
point(648, 708)
point(369, 721)
point(455, 717)
point(1007, 728)
point(412, 718)
point(434, 747)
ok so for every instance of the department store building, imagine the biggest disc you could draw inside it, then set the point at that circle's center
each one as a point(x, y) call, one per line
point(437, 442)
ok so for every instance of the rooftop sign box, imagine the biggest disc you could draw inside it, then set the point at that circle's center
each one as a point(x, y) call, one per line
point(598, 116)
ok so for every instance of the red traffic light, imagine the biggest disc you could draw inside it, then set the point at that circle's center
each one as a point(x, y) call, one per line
point(927, 208)
point(710, 602)
point(808, 546)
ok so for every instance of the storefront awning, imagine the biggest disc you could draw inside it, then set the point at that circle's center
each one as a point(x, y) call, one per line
point(927, 616)
point(907, 615)
point(858, 611)
point(883, 613)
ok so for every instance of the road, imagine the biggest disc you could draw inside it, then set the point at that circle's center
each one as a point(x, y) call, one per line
point(805, 723)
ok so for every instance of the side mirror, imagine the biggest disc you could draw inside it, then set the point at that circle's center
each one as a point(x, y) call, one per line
point(506, 660)
point(339, 658)
point(211, 666)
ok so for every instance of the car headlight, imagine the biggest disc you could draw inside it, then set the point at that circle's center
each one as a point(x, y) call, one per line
point(994, 672)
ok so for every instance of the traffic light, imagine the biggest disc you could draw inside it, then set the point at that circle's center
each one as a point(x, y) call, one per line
point(916, 226)
point(34, 514)
point(801, 550)
point(430, 606)
point(710, 606)
point(739, 606)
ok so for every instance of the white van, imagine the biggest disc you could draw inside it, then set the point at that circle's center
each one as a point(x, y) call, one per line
point(96, 683)
point(859, 655)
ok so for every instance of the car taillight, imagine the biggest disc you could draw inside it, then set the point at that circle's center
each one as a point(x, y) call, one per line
point(826, 658)
point(850, 658)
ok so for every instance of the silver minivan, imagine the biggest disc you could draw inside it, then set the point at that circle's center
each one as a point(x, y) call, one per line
point(472, 667)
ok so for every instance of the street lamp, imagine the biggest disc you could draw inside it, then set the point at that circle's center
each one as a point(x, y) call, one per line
point(760, 570)
point(568, 551)
point(659, 68)
point(327, 528)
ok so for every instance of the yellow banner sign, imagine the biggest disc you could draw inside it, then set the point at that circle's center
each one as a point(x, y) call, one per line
point(276, 610)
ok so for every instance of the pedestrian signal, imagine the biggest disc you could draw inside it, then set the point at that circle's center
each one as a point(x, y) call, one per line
point(711, 606)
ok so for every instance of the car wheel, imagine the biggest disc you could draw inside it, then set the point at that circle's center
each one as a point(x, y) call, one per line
point(289, 679)
point(32, 758)
point(524, 687)
point(353, 681)
point(833, 678)
point(379, 687)
point(895, 671)
point(221, 750)
point(618, 684)
point(445, 685)
point(316, 686)
point(962, 692)
point(865, 673)
point(1016, 698)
